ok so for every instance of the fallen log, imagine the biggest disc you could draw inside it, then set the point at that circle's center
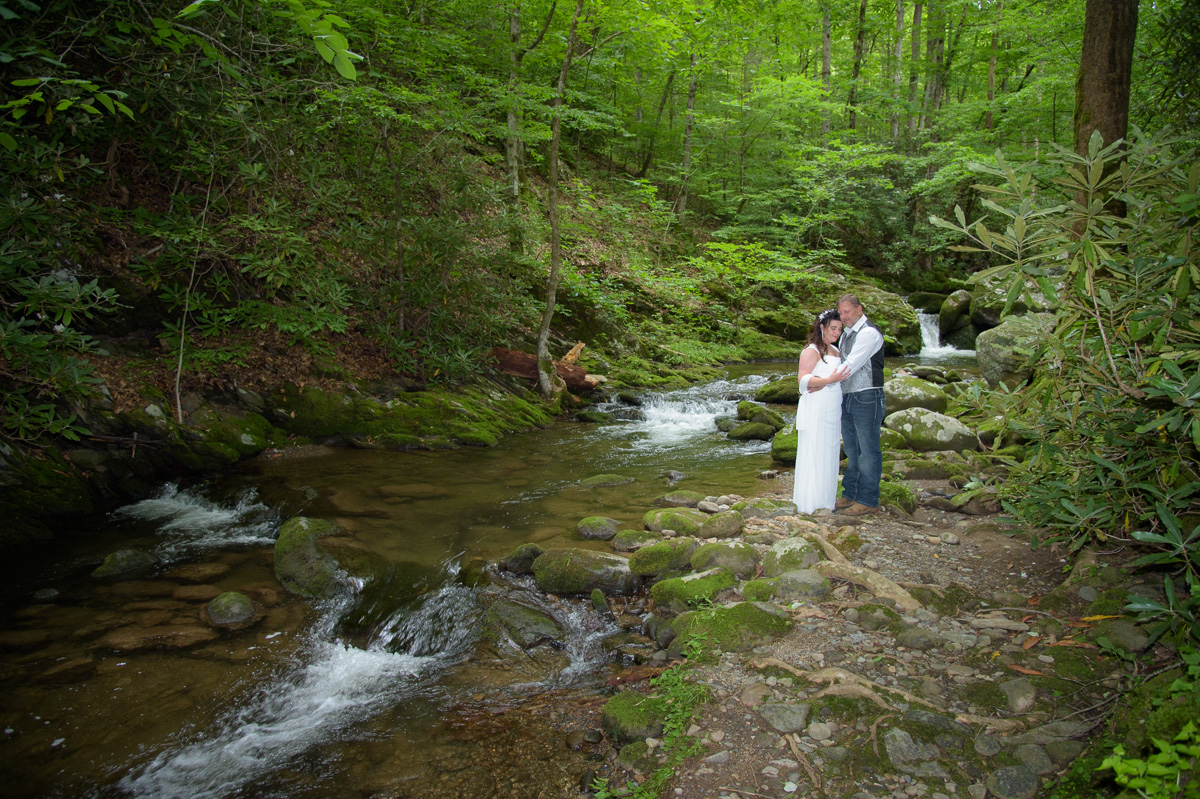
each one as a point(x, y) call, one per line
point(524, 364)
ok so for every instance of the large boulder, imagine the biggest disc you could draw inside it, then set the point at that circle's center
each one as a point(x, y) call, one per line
point(752, 431)
point(955, 313)
point(997, 349)
point(579, 571)
point(597, 528)
point(903, 392)
point(989, 297)
point(929, 431)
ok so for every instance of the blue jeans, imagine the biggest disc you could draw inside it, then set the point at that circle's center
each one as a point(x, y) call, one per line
point(862, 416)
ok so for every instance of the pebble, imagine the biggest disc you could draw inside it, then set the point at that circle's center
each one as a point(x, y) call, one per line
point(819, 731)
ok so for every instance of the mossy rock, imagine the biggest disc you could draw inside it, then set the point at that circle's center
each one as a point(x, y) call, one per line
point(891, 440)
point(764, 508)
point(726, 423)
point(760, 590)
point(758, 414)
point(579, 571)
point(124, 564)
point(300, 566)
point(902, 393)
point(785, 391)
point(803, 584)
point(924, 469)
point(753, 431)
point(605, 480)
point(680, 593)
point(520, 560)
point(724, 524)
point(927, 301)
point(597, 528)
point(672, 554)
point(526, 626)
point(595, 417)
point(632, 540)
point(737, 628)
point(789, 554)
point(736, 556)
point(38, 494)
point(955, 313)
point(637, 757)
point(928, 431)
point(632, 716)
point(685, 521)
point(679, 499)
point(233, 610)
point(783, 445)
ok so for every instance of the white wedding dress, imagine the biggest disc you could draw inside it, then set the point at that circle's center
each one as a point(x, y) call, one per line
point(818, 446)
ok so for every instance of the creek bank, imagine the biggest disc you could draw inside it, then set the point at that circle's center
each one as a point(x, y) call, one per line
point(130, 451)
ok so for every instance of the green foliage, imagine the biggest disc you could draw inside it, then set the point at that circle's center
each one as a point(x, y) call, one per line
point(1113, 413)
point(1164, 774)
point(1171, 771)
point(45, 299)
point(682, 696)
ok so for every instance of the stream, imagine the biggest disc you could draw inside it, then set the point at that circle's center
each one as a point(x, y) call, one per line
point(392, 693)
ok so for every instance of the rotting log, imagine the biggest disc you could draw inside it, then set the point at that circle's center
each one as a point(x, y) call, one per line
point(524, 364)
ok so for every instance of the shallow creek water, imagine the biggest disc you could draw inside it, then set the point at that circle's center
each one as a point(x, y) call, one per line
point(357, 697)
point(362, 696)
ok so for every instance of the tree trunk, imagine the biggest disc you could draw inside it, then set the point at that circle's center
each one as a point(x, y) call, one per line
point(1105, 65)
point(914, 71)
point(685, 167)
point(826, 66)
point(897, 76)
point(549, 383)
point(514, 146)
point(1103, 82)
point(662, 103)
point(934, 50)
point(856, 70)
point(988, 121)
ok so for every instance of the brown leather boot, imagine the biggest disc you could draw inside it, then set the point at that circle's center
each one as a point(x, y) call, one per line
point(842, 502)
point(859, 509)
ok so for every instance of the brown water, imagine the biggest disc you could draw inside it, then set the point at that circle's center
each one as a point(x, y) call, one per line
point(401, 699)
point(317, 701)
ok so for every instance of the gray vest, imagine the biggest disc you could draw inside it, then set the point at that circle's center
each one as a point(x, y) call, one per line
point(867, 377)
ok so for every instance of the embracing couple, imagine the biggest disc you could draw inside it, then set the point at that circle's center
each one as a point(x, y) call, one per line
point(841, 402)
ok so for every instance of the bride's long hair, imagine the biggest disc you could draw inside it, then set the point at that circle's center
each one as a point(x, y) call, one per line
point(816, 334)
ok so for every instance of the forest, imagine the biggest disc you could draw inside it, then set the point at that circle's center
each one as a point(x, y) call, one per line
point(251, 193)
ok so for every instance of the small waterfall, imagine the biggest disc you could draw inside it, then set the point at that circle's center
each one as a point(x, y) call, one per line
point(931, 336)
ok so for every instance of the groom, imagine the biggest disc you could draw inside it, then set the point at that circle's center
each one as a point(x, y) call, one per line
point(861, 346)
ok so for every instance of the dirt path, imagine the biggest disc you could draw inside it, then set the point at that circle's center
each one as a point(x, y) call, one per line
point(860, 700)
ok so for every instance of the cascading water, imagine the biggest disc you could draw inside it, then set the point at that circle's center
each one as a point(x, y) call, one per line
point(274, 710)
point(931, 346)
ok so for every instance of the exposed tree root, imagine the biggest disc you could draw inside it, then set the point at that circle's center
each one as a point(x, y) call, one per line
point(831, 552)
point(874, 582)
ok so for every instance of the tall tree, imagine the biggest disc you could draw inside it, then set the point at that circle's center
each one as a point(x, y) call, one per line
point(856, 69)
point(513, 143)
point(549, 383)
point(826, 64)
point(914, 69)
point(1105, 66)
point(897, 69)
point(689, 124)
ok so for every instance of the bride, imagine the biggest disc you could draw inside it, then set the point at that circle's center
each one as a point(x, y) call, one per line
point(819, 416)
